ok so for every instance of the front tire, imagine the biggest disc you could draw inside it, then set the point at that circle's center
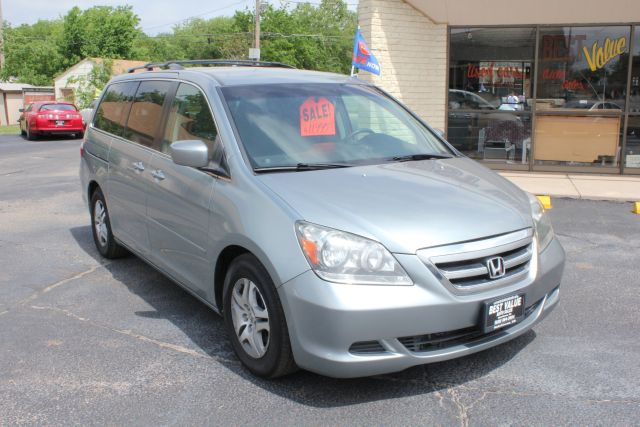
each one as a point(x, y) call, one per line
point(254, 319)
point(101, 227)
point(30, 135)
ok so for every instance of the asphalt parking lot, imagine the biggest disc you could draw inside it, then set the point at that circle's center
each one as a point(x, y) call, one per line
point(85, 341)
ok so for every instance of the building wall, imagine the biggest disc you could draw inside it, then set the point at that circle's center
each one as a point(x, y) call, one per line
point(3, 114)
point(81, 69)
point(412, 52)
point(13, 104)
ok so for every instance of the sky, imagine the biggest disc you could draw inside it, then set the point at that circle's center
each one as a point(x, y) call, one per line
point(156, 16)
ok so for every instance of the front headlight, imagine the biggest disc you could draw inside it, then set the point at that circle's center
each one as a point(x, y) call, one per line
point(544, 230)
point(342, 257)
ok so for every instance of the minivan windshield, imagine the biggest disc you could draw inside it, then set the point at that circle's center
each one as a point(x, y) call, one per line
point(314, 126)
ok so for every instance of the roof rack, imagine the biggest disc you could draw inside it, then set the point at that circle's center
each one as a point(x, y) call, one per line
point(178, 64)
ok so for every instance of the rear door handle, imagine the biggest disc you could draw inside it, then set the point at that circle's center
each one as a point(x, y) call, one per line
point(158, 174)
point(138, 166)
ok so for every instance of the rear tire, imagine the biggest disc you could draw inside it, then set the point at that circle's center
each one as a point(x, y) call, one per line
point(30, 135)
point(254, 319)
point(79, 135)
point(101, 228)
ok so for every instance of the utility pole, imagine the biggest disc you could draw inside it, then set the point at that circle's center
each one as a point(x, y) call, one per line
point(1, 38)
point(257, 30)
point(254, 52)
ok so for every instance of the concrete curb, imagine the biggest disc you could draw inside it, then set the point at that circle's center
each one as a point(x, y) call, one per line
point(587, 187)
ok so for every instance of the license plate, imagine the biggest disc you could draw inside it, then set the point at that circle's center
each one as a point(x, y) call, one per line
point(503, 312)
point(59, 122)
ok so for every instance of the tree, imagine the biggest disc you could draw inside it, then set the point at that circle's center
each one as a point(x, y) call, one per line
point(100, 31)
point(196, 39)
point(307, 36)
point(31, 52)
point(315, 37)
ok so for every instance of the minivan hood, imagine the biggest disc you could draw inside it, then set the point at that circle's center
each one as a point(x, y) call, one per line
point(407, 205)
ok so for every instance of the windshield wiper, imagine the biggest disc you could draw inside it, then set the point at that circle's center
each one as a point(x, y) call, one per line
point(412, 157)
point(302, 167)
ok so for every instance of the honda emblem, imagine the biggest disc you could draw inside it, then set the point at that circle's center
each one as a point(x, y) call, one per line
point(495, 266)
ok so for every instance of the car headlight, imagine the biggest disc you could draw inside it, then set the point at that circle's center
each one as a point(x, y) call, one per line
point(342, 257)
point(544, 230)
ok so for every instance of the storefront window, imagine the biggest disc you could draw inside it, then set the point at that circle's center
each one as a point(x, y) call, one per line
point(493, 63)
point(576, 89)
point(583, 68)
point(499, 136)
point(634, 93)
point(490, 93)
point(572, 140)
point(632, 151)
point(580, 96)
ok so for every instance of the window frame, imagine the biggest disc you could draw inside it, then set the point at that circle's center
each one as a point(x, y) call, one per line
point(223, 171)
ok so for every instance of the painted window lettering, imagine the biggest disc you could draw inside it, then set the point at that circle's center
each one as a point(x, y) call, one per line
point(601, 55)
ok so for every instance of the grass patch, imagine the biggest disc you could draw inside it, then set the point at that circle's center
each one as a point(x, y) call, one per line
point(10, 130)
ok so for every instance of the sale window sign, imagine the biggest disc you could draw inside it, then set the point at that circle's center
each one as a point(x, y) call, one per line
point(317, 117)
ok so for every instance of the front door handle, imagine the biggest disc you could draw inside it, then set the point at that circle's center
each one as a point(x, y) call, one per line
point(138, 166)
point(158, 174)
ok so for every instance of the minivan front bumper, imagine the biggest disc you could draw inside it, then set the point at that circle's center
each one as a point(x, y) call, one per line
point(348, 331)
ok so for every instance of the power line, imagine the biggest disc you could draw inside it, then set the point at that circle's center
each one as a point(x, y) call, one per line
point(197, 16)
point(311, 3)
point(212, 35)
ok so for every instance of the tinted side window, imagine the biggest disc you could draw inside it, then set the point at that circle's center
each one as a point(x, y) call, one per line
point(114, 108)
point(190, 118)
point(146, 112)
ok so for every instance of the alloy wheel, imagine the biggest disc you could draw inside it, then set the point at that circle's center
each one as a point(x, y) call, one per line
point(250, 318)
point(100, 222)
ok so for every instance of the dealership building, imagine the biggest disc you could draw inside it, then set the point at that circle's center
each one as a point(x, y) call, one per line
point(550, 86)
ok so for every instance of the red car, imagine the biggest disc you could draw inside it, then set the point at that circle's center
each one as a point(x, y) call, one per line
point(51, 118)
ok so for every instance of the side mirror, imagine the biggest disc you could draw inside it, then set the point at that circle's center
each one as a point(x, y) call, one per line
point(190, 152)
point(20, 110)
point(440, 132)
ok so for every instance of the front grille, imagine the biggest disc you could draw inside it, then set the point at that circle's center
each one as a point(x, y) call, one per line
point(366, 347)
point(444, 340)
point(472, 272)
point(464, 265)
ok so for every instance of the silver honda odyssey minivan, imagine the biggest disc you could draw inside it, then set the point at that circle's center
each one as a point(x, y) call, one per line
point(331, 227)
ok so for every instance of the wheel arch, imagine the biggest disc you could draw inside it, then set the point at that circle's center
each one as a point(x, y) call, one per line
point(231, 250)
point(225, 258)
point(91, 188)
